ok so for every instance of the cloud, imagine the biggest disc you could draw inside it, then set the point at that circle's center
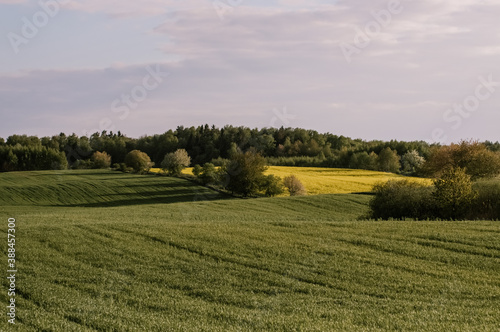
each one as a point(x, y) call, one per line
point(237, 69)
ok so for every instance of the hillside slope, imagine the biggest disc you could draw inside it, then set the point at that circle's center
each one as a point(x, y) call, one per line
point(95, 188)
point(105, 251)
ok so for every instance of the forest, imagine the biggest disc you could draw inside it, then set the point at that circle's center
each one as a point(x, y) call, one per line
point(280, 146)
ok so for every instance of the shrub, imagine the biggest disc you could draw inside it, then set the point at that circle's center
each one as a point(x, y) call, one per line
point(138, 161)
point(487, 203)
point(175, 162)
point(100, 160)
point(82, 164)
point(454, 194)
point(402, 199)
point(294, 186)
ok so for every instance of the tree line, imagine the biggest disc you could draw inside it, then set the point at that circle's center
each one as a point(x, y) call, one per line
point(279, 146)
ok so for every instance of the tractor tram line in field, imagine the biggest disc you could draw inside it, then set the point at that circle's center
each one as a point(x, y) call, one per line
point(125, 253)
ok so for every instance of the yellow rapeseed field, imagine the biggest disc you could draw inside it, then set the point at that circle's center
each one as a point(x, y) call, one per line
point(332, 180)
point(337, 180)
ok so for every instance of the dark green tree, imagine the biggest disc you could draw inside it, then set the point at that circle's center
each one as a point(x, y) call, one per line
point(245, 173)
point(388, 161)
point(273, 185)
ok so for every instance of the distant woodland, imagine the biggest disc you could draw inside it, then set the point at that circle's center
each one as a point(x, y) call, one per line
point(280, 146)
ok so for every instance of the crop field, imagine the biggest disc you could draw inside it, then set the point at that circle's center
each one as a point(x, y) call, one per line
point(107, 251)
point(319, 180)
point(338, 180)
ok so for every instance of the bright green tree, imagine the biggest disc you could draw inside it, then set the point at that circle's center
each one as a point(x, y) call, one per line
point(138, 160)
point(454, 194)
point(101, 160)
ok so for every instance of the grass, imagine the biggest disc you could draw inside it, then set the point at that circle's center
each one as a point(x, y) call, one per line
point(183, 258)
point(319, 180)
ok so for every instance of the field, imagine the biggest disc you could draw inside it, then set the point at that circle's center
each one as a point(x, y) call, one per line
point(332, 180)
point(106, 251)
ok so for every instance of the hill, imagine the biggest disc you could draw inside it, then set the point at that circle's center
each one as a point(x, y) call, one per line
point(108, 251)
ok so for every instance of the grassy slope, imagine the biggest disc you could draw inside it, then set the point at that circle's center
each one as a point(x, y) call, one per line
point(88, 260)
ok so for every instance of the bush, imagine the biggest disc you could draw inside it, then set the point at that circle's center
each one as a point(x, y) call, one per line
point(294, 186)
point(487, 203)
point(220, 161)
point(82, 164)
point(402, 199)
point(100, 160)
point(175, 162)
point(454, 194)
point(138, 161)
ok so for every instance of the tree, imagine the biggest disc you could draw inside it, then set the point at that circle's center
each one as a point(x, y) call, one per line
point(388, 161)
point(138, 161)
point(454, 194)
point(175, 162)
point(273, 185)
point(294, 186)
point(100, 160)
point(245, 173)
point(363, 160)
point(207, 174)
point(197, 170)
point(411, 162)
point(472, 156)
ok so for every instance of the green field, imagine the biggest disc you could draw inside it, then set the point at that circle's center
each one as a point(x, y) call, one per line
point(106, 251)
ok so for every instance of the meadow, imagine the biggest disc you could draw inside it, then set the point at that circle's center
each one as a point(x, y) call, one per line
point(318, 180)
point(107, 251)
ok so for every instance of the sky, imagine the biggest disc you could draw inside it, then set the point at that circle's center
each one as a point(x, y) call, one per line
point(371, 69)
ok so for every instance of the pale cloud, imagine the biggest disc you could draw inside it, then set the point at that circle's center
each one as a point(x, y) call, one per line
point(238, 69)
point(122, 8)
point(11, 2)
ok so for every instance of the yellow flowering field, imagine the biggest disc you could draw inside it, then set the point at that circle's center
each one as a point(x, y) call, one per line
point(337, 180)
point(332, 180)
